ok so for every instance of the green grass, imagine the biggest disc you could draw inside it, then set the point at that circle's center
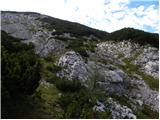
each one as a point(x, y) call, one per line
point(131, 69)
point(62, 38)
point(48, 93)
point(122, 100)
point(50, 69)
point(43, 103)
point(142, 113)
point(151, 81)
point(147, 113)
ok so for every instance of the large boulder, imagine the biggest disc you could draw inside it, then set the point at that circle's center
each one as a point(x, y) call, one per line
point(74, 67)
point(109, 78)
point(113, 76)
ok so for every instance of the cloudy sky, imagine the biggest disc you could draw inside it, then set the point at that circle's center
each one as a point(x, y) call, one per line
point(107, 15)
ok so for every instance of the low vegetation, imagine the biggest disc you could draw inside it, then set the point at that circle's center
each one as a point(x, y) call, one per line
point(138, 36)
point(131, 68)
point(146, 113)
point(20, 73)
point(77, 102)
point(77, 29)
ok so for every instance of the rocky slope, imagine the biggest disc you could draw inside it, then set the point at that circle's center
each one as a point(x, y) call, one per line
point(126, 71)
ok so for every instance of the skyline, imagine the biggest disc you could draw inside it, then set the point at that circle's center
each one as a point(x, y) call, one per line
point(107, 15)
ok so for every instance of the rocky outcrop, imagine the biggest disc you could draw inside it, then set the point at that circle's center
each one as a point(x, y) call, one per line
point(74, 67)
point(109, 78)
point(114, 51)
point(29, 28)
point(99, 107)
point(140, 94)
point(149, 61)
point(20, 25)
point(118, 111)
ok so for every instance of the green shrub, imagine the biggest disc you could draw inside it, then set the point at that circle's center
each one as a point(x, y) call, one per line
point(82, 51)
point(53, 68)
point(73, 110)
point(147, 113)
point(68, 85)
point(20, 74)
point(21, 67)
point(78, 102)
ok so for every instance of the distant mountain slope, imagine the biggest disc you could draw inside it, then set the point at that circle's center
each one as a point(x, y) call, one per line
point(135, 35)
point(132, 34)
point(63, 26)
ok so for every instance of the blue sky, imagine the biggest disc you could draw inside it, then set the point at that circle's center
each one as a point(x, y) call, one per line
point(107, 15)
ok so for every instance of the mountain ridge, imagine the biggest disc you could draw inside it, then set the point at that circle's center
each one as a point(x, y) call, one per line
point(71, 22)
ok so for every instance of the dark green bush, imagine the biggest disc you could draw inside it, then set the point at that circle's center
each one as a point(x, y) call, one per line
point(68, 85)
point(82, 51)
point(20, 73)
point(137, 36)
point(54, 68)
point(80, 104)
point(63, 26)
point(146, 113)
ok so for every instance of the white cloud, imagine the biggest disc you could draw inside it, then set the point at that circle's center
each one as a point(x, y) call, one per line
point(108, 15)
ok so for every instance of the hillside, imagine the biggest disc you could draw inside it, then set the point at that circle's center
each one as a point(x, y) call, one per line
point(53, 68)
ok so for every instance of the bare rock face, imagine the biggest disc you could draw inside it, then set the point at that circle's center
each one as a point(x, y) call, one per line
point(141, 94)
point(19, 25)
point(115, 51)
point(109, 78)
point(149, 61)
point(114, 77)
point(118, 111)
point(74, 67)
point(29, 28)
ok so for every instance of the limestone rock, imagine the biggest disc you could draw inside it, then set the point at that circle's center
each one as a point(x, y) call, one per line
point(118, 111)
point(30, 29)
point(113, 76)
point(99, 107)
point(149, 61)
point(115, 51)
point(74, 67)
point(142, 94)
point(109, 78)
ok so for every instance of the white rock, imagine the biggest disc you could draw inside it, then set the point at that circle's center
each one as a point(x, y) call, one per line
point(114, 76)
point(149, 61)
point(74, 67)
point(99, 107)
point(119, 111)
point(140, 102)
